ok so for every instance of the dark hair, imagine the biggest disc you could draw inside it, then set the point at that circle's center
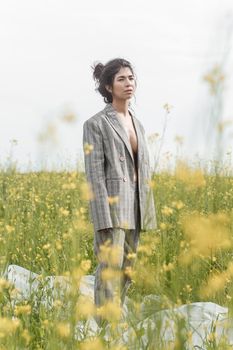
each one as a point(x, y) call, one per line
point(104, 75)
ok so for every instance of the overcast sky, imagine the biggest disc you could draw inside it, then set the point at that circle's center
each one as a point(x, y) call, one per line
point(48, 47)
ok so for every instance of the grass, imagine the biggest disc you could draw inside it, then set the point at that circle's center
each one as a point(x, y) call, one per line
point(45, 227)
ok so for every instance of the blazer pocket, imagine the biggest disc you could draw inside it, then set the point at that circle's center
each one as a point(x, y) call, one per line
point(114, 186)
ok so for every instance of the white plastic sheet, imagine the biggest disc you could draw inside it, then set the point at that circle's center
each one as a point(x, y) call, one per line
point(201, 318)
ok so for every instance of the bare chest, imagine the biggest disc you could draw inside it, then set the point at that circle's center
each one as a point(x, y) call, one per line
point(131, 133)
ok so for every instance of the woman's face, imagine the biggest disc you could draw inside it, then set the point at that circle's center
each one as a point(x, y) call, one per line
point(123, 84)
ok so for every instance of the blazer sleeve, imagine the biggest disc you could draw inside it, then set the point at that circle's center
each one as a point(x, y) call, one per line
point(95, 174)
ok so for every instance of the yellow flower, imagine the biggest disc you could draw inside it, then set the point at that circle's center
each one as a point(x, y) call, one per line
point(58, 244)
point(166, 211)
point(45, 323)
point(131, 256)
point(8, 326)
point(85, 265)
point(214, 78)
point(64, 212)
point(9, 228)
point(110, 311)
point(211, 337)
point(167, 107)
point(168, 267)
point(69, 118)
point(4, 284)
point(57, 303)
point(188, 288)
point(179, 139)
point(63, 329)
point(205, 235)
point(151, 183)
point(86, 191)
point(26, 336)
point(178, 205)
point(69, 186)
point(222, 125)
point(22, 310)
point(113, 200)
point(216, 282)
point(153, 137)
point(84, 307)
point(191, 177)
point(128, 271)
point(46, 246)
point(82, 210)
point(108, 274)
point(163, 226)
point(110, 254)
point(92, 344)
point(88, 148)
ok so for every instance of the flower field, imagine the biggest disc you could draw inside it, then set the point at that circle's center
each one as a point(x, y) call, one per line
point(45, 227)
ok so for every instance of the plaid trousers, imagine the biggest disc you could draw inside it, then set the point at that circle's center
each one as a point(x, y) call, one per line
point(115, 249)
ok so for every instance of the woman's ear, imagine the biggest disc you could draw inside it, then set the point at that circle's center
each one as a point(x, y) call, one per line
point(108, 88)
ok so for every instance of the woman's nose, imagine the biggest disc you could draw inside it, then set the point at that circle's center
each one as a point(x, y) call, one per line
point(129, 82)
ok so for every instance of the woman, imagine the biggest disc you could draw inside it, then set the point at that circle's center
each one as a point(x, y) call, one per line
point(118, 172)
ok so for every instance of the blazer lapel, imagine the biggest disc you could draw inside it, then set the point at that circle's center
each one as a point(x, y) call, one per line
point(114, 120)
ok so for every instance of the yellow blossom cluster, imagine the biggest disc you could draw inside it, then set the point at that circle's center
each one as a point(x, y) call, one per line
point(63, 329)
point(8, 326)
point(23, 310)
point(113, 200)
point(192, 178)
point(205, 235)
point(88, 148)
point(217, 281)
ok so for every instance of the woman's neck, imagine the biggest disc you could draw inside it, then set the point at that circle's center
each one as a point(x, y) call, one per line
point(121, 107)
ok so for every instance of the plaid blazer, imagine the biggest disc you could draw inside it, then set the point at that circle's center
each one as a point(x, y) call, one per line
point(110, 168)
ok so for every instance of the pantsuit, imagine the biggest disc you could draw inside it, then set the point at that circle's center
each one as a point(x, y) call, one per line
point(111, 171)
point(126, 241)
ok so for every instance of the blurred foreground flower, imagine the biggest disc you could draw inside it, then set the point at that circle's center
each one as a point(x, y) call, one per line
point(49, 134)
point(113, 199)
point(214, 78)
point(153, 137)
point(84, 307)
point(8, 326)
point(205, 235)
point(86, 191)
point(167, 107)
point(110, 254)
point(110, 311)
point(22, 310)
point(88, 148)
point(78, 272)
point(167, 211)
point(63, 329)
point(191, 177)
point(223, 125)
point(69, 118)
point(217, 282)
point(92, 344)
point(4, 284)
point(179, 139)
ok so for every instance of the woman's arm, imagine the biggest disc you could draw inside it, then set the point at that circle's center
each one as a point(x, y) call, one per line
point(95, 174)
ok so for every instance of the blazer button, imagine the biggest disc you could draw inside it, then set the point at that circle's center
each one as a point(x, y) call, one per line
point(124, 178)
point(122, 158)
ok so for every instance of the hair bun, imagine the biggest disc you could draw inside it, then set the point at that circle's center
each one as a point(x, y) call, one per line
point(97, 70)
